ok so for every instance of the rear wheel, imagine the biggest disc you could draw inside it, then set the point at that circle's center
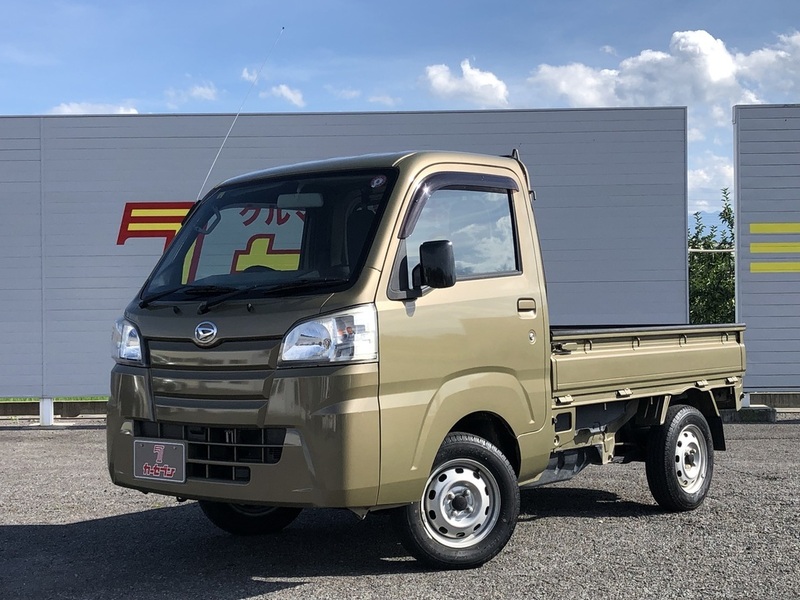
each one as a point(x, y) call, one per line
point(680, 460)
point(468, 509)
point(248, 519)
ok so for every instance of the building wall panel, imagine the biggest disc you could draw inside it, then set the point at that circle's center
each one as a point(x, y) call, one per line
point(611, 205)
point(21, 367)
point(767, 170)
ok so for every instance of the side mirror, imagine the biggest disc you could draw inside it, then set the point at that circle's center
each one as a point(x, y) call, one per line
point(437, 264)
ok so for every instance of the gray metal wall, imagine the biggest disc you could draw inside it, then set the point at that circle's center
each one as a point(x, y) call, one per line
point(611, 212)
point(21, 307)
point(767, 167)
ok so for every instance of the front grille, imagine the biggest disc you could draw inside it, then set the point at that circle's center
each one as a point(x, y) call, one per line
point(220, 453)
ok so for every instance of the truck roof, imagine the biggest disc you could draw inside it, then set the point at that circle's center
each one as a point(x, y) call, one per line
point(367, 161)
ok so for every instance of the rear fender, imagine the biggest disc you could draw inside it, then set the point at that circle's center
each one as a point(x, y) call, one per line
point(705, 402)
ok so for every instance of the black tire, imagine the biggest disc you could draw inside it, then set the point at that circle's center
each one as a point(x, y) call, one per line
point(468, 509)
point(680, 459)
point(248, 519)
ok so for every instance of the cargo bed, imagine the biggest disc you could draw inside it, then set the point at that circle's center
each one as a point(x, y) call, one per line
point(598, 364)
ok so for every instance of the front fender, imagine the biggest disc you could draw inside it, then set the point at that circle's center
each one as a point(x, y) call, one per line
point(413, 430)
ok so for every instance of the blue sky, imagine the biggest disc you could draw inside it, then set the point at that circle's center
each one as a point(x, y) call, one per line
point(92, 57)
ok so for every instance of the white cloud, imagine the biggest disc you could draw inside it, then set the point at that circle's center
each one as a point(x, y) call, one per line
point(90, 108)
point(250, 76)
point(695, 135)
point(343, 93)
point(710, 173)
point(289, 94)
point(205, 91)
point(475, 86)
point(386, 100)
point(697, 70)
point(579, 84)
point(773, 69)
point(609, 50)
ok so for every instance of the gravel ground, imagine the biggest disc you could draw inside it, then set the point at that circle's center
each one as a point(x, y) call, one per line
point(66, 532)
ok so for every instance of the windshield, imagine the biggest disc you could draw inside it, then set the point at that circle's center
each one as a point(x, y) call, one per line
point(274, 234)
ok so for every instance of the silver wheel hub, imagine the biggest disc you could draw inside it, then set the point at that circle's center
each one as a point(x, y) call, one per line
point(461, 503)
point(691, 459)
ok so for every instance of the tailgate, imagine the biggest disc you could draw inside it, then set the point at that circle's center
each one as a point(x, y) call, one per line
point(597, 364)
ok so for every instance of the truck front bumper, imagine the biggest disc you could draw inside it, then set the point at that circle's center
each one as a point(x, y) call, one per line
point(314, 441)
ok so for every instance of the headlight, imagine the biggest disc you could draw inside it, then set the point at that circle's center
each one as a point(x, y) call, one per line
point(347, 336)
point(125, 342)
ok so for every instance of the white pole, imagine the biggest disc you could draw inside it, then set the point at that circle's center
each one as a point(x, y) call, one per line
point(46, 416)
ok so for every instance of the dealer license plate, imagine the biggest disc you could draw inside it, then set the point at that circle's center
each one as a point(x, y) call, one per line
point(159, 460)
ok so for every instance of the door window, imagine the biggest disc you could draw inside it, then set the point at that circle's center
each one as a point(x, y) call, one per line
point(478, 222)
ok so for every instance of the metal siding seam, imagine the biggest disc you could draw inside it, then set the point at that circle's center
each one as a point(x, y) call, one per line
point(737, 220)
point(686, 205)
point(42, 256)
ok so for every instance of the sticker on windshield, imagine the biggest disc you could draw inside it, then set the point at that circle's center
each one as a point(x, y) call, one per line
point(377, 181)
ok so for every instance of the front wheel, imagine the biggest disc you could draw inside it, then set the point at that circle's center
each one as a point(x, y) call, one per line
point(248, 519)
point(680, 460)
point(468, 509)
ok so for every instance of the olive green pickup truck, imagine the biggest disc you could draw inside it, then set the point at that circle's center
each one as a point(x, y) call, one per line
point(372, 333)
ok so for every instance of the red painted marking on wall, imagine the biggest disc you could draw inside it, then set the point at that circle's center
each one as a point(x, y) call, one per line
point(152, 220)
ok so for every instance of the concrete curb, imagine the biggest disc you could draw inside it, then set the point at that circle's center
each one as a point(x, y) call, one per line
point(7, 424)
point(779, 400)
point(62, 409)
point(757, 413)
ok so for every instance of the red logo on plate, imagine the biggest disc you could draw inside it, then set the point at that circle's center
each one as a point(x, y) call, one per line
point(158, 469)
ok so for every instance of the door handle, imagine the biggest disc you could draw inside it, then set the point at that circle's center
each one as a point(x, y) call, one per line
point(526, 307)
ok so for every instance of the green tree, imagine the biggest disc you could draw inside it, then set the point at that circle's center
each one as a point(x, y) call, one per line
point(711, 268)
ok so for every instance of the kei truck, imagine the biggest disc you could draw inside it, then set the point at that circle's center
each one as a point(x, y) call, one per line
point(372, 333)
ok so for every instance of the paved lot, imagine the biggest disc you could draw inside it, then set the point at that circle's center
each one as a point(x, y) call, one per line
point(66, 532)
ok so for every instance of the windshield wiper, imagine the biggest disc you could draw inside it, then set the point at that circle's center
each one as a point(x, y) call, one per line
point(189, 290)
point(270, 288)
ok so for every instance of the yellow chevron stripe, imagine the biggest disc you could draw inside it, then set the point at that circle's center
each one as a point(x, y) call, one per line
point(774, 227)
point(775, 267)
point(775, 247)
point(154, 226)
point(159, 212)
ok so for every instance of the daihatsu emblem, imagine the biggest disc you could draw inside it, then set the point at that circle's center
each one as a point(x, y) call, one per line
point(205, 333)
